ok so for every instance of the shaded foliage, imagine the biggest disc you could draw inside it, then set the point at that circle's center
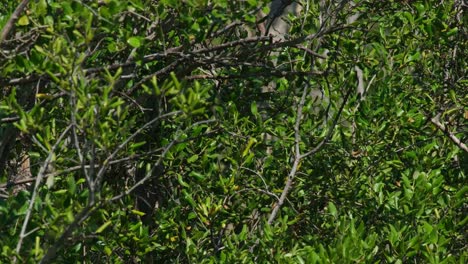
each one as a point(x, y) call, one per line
point(175, 131)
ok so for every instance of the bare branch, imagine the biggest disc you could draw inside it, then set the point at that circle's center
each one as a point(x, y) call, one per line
point(150, 173)
point(78, 148)
point(436, 122)
point(297, 159)
point(79, 218)
point(297, 155)
point(311, 52)
point(106, 163)
point(11, 22)
point(39, 178)
point(273, 73)
point(92, 206)
point(330, 132)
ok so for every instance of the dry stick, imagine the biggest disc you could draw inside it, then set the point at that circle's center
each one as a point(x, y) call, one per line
point(292, 173)
point(231, 44)
point(9, 119)
point(330, 133)
point(311, 52)
point(299, 157)
point(435, 121)
point(70, 169)
point(226, 28)
point(11, 22)
point(39, 178)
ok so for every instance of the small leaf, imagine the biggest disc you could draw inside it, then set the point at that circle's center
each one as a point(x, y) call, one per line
point(197, 175)
point(104, 226)
point(179, 178)
point(453, 31)
point(50, 181)
point(188, 198)
point(108, 251)
point(41, 8)
point(249, 145)
point(139, 213)
point(71, 184)
point(37, 245)
point(253, 108)
point(134, 42)
point(23, 21)
point(137, 144)
point(192, 158)
point(59, 192)
point(332, 209)
point(44, 96)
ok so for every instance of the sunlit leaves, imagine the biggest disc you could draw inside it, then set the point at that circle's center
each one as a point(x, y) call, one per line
point(386, 187)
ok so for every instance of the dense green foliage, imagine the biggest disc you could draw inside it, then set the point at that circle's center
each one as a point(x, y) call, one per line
point(149, 136)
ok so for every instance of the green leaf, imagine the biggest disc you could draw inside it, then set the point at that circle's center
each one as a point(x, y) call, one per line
point(60, 192)
point(23, 21)
point(249, 145)
point(137, 144)
point(332, 209)
point(134, 42)
point(139, 213)
point(197, 175)
point(193, 158)
point(41, 7)
point(253, 108)
point(107, 250)
point(181, 181)
point(71, 184)
point(103, 227)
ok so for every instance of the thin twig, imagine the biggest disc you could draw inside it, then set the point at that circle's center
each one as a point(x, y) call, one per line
point(92, 205)
point(330, 133)
point(293, 171)
point(106, 163)
point(436, 122)
point(272, 73)
point(96, 166)
point(297, 159)
point(311, 52)
point(77, 145)
point(150, 173)
point(79, 218)
point(39, 178)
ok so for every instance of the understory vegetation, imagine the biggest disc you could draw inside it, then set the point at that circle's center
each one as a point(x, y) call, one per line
point(167, 131)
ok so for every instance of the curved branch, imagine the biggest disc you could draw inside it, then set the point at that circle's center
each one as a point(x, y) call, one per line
point(436, 122)
point(11, 22)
